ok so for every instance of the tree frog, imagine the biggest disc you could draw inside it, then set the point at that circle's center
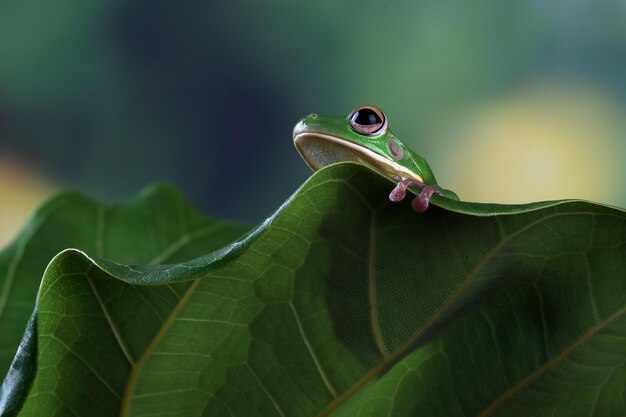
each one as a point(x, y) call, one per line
point(364, 137)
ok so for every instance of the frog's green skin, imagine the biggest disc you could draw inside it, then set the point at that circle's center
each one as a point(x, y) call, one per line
point(324, 140)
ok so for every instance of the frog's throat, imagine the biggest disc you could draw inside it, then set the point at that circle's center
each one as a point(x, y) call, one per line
point(319, 150)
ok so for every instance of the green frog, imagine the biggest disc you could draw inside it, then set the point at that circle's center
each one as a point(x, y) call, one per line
point(364, 137)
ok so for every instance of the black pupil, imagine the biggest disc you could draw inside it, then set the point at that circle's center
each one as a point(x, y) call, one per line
point(366, 117)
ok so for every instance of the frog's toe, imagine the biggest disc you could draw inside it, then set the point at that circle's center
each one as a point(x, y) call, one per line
point(398, 193)
point(420, 203)
point(422, 200)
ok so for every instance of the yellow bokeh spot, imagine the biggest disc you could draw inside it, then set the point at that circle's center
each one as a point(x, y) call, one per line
point(543, 143)
point(22, 191)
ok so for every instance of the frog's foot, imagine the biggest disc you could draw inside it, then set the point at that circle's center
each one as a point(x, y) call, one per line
point(421, 201)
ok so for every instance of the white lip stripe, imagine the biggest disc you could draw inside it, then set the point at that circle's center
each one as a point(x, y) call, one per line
point(393, 166)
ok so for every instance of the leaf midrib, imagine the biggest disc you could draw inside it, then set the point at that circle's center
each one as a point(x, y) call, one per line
point(177, 245)
point(442, 310)
point(136, 369)
point(493, 406)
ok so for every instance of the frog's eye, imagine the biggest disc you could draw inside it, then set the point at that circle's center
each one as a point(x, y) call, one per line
point(368, 120)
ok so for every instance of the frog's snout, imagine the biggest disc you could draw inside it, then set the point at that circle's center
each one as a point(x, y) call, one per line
point(299, 128)
point(304, 124)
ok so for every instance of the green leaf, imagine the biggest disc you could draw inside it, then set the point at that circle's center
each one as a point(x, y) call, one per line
point(158, 226)
point(340, 304)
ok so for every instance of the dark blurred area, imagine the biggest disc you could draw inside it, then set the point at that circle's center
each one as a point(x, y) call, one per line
point(109, 96)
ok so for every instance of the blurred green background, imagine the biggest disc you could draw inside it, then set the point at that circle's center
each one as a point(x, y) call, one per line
point(509, 101)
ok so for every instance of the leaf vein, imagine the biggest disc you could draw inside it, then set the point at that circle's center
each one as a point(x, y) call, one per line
point(550, 364)
point(107, 316)
point(307, 343)
point(134, 373)
point(376, 331)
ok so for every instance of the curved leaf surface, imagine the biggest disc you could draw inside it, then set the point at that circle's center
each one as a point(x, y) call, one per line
point(344, 304)
point(157, 226)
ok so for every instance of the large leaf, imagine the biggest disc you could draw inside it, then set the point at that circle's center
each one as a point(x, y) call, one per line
point(158, 226)
point(341, 304)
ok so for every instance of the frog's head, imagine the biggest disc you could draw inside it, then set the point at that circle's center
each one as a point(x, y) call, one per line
point(364, 136)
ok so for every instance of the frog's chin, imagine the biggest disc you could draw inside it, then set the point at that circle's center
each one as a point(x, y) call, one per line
point(320, 149)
